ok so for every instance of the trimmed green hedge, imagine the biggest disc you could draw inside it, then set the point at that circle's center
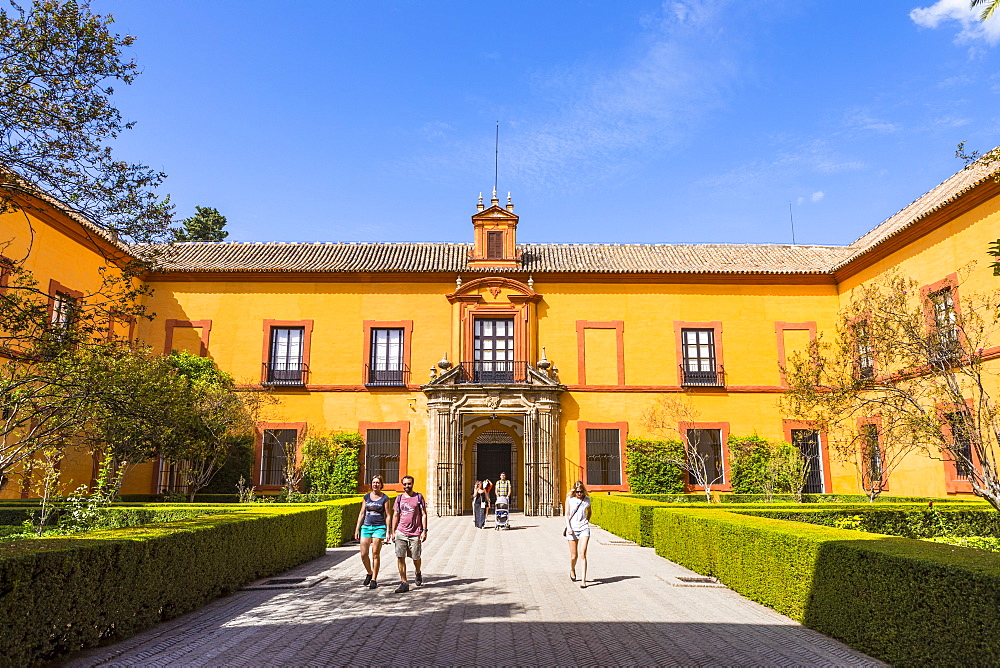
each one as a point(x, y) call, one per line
point(837, 498)
point(59, 595)
point(625, 516)
point(903, 601)
point(669, 498)
point(225, 498)
point(341, 518)
point(906, 522)
point(118, 517)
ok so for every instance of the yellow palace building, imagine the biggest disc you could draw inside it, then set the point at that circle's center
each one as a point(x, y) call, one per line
point(456, 361)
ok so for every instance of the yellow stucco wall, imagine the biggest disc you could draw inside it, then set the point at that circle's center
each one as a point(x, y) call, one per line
point(751, 317)
point(61, 253)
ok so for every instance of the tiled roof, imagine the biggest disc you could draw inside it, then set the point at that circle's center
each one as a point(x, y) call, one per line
point(535, 258)
point(940, 196)
point(576, 258)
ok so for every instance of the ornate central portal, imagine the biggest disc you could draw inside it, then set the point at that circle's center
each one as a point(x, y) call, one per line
point(475, 428)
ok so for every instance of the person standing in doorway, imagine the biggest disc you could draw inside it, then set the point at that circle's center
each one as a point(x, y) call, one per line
point(371, 529)
point(409, 531)
point(503, 488)
point(578, 529)
point(480, 505)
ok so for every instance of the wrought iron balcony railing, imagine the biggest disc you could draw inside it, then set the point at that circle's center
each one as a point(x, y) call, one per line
point(293, 374)
point(700, 378)
point(397, 377)
point(492, 372)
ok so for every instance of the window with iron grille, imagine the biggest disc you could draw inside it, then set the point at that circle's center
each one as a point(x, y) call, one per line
point(494, 245)
point(278, 446)
point(63, 307)
point(961, 442)
point(285, 364)
point(807, 441)
point(872, 454)
point(945, 323)
point(863, 350)
point(707, 443)
point(604, 462)
point(698, 349)
point(174, 476)
point(382, 455)
point(385, 363)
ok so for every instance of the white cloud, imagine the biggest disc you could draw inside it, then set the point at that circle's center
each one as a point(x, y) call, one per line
point(816, 196)
point(862, 120)
point(960, 11)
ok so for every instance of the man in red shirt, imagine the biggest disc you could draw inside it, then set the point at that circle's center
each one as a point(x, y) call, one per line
point(409, 531)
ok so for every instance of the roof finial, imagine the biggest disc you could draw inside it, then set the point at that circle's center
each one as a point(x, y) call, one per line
point(494, 201)
point(480, 206)
point(510, 205)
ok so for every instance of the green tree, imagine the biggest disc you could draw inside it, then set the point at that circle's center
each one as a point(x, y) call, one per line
point(217, 419)
point(206, 225)
point(989, 6)
point(58, 64)
point(905, 374)
point(140, 407)
point(46, 358)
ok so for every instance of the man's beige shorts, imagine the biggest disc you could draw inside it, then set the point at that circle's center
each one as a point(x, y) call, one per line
point(407, 546)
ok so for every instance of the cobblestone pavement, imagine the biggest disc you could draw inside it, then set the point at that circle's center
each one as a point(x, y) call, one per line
point(489, 598)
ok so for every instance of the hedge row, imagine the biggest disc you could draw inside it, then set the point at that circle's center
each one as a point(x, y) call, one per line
point(59, 595)
point(836, 498)
point(341, 518)
point(115, 517)
point(625, 516)
point(788, 498)
point(903, 601)
point(226, 498)
point(905, 522)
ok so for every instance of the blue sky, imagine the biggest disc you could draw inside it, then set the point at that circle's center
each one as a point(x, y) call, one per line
point(673, 122)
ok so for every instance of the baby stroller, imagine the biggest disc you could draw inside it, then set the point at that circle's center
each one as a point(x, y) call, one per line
point(502, 514)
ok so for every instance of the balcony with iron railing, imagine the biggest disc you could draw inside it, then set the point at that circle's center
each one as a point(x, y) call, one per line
point(286, 374)
point(397, 377)
point(702, 378)
point(492, 372)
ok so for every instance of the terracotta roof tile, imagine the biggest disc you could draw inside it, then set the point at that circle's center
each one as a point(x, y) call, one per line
point(535, 258)
point(541, 258)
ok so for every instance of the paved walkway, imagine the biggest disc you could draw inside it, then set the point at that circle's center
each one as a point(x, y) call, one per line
point(489, 598)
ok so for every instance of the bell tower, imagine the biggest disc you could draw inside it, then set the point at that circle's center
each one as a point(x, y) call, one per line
point(495, 235)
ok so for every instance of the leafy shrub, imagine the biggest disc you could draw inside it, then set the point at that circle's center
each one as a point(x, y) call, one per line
point(647, 466)
point(331, 464)
point(760, 466)
point(903, 601)
point(60, 595)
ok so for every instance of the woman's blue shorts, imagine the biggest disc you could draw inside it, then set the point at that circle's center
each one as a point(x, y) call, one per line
point(373, 531)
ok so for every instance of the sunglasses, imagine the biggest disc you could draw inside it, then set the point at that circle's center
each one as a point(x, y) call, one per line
point(578, 491)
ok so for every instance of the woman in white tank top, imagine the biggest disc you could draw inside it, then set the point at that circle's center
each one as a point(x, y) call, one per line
point(578, 529)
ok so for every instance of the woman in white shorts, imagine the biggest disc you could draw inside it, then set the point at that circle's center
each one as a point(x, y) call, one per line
point(578, 529)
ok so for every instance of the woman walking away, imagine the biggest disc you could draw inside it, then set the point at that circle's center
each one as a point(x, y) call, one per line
point(373, 521)
point(578, 529)
point(480, 505)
